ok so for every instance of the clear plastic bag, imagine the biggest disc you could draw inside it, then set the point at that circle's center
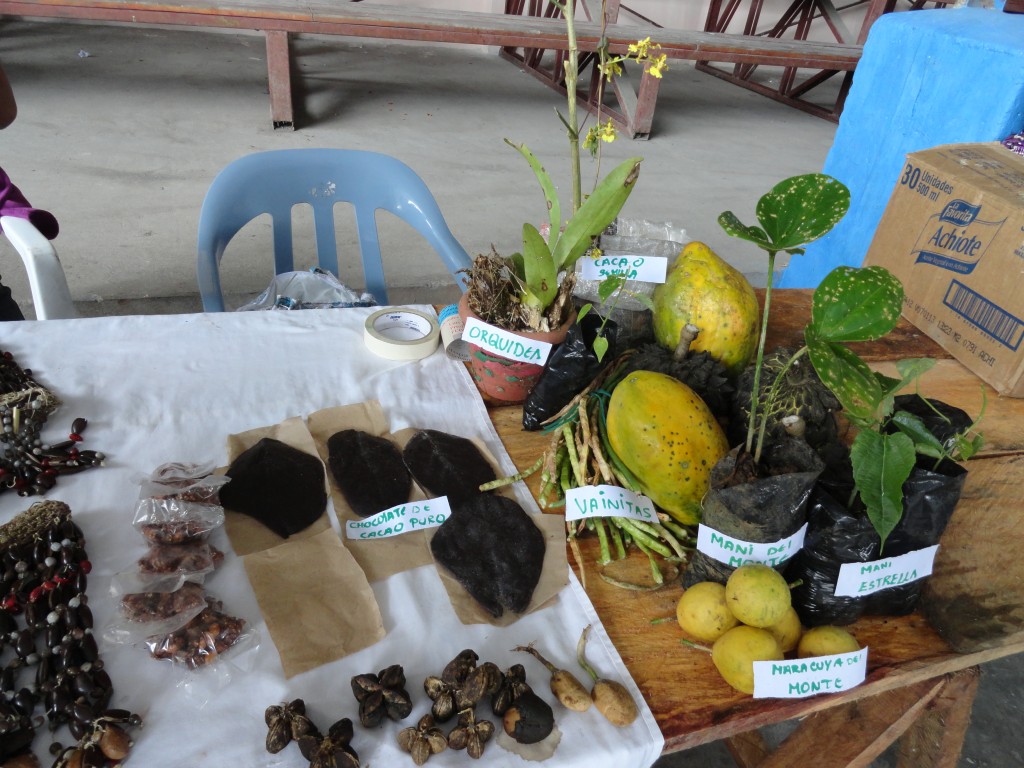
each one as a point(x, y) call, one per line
point(632, 237)
point(203, 640)
point(173, 521)
point(315, 289)
point(132, 582)
point(191, 560)
point(187, 482)
point(147, 614)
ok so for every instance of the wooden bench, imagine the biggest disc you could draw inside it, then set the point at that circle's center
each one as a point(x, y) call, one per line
point(280, 19)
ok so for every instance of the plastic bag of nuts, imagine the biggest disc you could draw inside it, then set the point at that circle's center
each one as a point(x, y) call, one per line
point(173, 521)
point(145, 614)
point(193, 560)
point(187, 482)
point(203, 640)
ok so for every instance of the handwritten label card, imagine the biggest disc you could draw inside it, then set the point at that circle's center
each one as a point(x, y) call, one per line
point(648, 269)
point(607, 501)
point(857, 579)
point(402, 518)
point(800, 678)
point(734, 552)
point(502, 343)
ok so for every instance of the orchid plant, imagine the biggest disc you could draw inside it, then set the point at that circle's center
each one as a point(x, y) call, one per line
point(542, 270)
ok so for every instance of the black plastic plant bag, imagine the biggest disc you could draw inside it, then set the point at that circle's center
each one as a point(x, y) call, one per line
point(930, 496)
point(764, 510)
point(572, 365)
point(834, 536)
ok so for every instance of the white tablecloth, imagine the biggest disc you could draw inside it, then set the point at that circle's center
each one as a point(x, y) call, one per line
point(171, 388)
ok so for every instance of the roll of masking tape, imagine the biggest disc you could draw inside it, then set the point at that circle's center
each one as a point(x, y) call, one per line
point(401, 334)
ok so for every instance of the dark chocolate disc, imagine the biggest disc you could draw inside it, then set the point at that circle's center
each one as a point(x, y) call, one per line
point(368, 470)
point(277, 484)
point(447, 465)
point(494, 550)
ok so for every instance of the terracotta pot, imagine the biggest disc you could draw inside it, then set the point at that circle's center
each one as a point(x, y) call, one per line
point(507, 380)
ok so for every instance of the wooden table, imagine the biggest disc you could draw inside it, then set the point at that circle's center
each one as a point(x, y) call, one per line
point(922, 668)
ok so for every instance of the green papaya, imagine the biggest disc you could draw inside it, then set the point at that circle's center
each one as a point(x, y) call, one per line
point(667, 437)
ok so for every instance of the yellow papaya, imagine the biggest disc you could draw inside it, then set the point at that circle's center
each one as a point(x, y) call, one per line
point(704, 290)
point(667, 437)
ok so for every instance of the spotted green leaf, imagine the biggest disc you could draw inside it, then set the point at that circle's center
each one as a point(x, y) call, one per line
point(856, 304)
point(848, 377)
point(795, 212)
point(881, 464)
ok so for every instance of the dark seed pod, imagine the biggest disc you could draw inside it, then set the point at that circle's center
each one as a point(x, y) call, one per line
point(278, 735)
point(513, 685)
point(88, 648)
point(26, 643)
point(7, 679)
point(83, 712)
point(44, 672)
point(83, 684)
point(25, 701)
point(482, 681)
point(529, 720)
point(456, 671)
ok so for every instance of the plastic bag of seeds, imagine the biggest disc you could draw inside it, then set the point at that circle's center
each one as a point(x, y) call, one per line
point(174, 521)
point(187, 482)
point(205, 640)
point(192, 560)
point(145, 614)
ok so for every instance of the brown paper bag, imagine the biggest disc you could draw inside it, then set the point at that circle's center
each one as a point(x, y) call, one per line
point(316, 601)
point(380, 557)
point(554, 577)
point(246, 533)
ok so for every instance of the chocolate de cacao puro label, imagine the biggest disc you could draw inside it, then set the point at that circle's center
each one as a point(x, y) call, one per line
point(401, 518)
point(502, 343)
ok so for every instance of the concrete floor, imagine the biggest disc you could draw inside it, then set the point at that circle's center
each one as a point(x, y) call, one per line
point(121, 130)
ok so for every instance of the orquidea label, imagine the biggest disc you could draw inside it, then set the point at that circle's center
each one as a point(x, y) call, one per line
point(956, 238)
point(502, 343)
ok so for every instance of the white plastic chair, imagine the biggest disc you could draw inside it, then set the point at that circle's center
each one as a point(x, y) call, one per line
point(50, 295)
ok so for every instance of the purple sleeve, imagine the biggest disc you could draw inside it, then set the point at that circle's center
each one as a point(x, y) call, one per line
point(13, 203)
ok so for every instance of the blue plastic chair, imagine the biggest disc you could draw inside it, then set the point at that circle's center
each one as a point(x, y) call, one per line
point(274, 182)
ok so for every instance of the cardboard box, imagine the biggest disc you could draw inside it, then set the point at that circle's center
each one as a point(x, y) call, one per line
point(953, 233)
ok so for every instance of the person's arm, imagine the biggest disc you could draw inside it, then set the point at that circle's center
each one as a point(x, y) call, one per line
point(8, 107)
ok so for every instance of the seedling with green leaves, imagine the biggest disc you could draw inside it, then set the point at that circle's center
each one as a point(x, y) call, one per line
point(612, 286)
point(852, 304)
point(795, 212)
